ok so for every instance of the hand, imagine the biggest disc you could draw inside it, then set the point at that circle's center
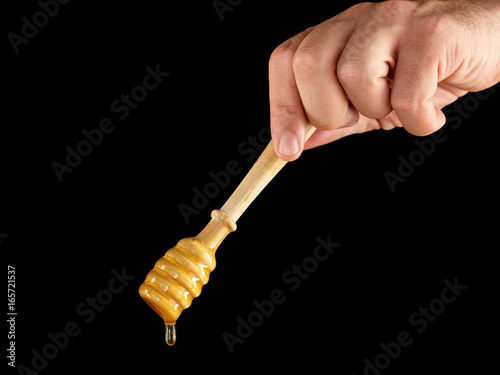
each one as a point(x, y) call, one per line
point(381, 65)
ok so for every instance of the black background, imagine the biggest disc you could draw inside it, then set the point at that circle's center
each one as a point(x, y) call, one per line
point(119, 207)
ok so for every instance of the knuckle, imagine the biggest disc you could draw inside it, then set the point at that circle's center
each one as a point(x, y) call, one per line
point(352, 73)
point(283, 54)
point(284, 113)
point(429, 27)
point(409, 110)
point(409, 105)
point(306, 62)
point(389, 11)
point(354, 10)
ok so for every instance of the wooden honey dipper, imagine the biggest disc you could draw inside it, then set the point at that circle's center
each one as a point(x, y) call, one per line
point(180, 274)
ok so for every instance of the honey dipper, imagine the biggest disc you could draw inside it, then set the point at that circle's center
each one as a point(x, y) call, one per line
point(180, 274)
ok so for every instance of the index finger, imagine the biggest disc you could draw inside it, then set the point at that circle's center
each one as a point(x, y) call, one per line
point(288, 119)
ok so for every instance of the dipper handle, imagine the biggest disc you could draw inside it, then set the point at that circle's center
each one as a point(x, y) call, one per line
point(262, 172)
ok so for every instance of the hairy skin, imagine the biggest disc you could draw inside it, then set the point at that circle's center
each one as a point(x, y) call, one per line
point(379, 66)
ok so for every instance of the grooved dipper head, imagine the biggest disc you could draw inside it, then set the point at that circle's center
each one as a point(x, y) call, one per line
point(180, 274)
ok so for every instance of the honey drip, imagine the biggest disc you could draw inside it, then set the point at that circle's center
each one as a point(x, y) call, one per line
point(170, 334)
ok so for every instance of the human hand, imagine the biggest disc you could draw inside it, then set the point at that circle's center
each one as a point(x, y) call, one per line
point(381, 65)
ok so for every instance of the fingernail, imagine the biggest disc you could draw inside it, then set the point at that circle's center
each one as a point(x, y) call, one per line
point(289, 145)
